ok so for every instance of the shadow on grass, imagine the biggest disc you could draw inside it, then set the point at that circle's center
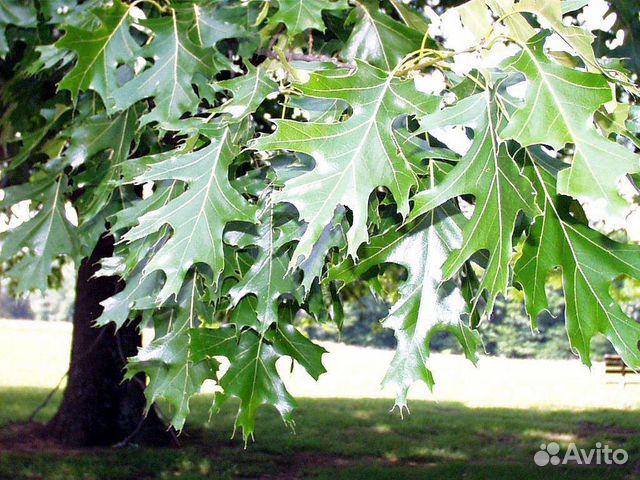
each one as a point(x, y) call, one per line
point(350, 439)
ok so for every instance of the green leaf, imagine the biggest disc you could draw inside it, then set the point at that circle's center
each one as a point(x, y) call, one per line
point(165, 191)
point(139, 288)
point(428, 302)
point(500, 190)
point(46, 236)
point(628, 20)
point(177, 61)
point(48, 57)
point(476, 17)
point(614, 122)
point(518, 25)
point(332, 236)
point(287, 340)
point(353, 157)
point(248, 90)
point(32, 140)
point(301, 15)
point(558, 110)
point(253, 379)
point(96, 134)
point(318, 109)
point(410, 16)
point(168, 361)
point(20, 13)
point(210, 24)
point(130, 256)
point(578, 38)
point(198, 216)
point(590, 262)
point(377, 38)
point(267, 279)
point(252, 376)
point(569, 6)
point(427, 305)
point(99, 51)
point(213, 342)
point(54, 12)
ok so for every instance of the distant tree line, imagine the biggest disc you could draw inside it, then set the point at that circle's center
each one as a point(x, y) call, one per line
point(508, 334)
point(54, 305)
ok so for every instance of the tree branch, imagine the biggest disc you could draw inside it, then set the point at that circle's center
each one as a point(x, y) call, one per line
point(306, 58)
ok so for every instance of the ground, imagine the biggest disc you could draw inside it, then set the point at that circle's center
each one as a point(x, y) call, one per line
point(481, 427)
point(340, 439)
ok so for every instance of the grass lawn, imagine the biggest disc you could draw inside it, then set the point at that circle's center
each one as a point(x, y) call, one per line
point(480, 423)
point(344, 439)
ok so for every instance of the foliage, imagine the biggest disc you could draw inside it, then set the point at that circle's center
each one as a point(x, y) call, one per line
point(151, 122)
point(17, 308)
point(509, 334)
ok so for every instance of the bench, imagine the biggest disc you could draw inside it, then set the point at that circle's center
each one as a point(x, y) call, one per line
point(614, 365)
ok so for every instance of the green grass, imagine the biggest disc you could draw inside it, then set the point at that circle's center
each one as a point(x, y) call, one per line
point(488, 424)
point(344, 439)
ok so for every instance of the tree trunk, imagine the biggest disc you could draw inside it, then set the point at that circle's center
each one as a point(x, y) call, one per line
point(98, 407)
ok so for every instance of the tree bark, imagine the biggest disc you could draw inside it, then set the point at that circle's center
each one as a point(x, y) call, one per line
point(99, 408)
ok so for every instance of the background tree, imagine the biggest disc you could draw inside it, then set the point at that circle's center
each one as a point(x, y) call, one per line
point(150, 124)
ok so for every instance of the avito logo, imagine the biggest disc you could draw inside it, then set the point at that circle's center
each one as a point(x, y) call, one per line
point(549, 454)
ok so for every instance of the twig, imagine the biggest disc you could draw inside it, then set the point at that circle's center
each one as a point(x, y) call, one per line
point(306, 58)
point(275, 38)
point(423, 62)
point(50, 395)
point(47, 399)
